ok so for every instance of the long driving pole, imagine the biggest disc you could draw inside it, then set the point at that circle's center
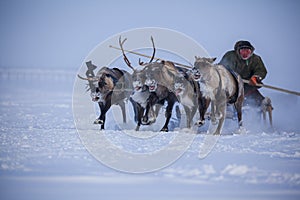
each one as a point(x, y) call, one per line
point(189, 67)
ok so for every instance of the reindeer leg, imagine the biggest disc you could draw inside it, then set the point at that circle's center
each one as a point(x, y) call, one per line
point(188, 113)
point(140, 113)
point(220, 125)
point(264, 116)
point(238, 107)
point(213, 113)
point(221, 110)
point(157, 108)
point(270, 110)
point(267, 107)
point(99, 120)
point(145, 117)
point(148, 117)
point(135, 109)
point(122, 106)
point(171, 102)
point(150, 103)
point(105, 107)
point(194, 110)
point(203, 105)
point(101, 106)
point(192, 114)
point(168, 115)
point(178, 116)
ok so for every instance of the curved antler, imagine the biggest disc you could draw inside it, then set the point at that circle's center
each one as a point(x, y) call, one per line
point(153, 54)
point(154, 50)
point(88, 78)
point(124, 55)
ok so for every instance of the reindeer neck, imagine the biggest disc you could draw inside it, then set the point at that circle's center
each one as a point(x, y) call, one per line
point(207, 72)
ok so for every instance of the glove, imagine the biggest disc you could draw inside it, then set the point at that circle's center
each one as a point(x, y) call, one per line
point(253, 80)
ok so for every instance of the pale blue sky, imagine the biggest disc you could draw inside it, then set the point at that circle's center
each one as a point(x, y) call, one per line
point(60, 34)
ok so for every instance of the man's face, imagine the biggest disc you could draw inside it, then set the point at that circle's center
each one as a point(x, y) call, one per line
point(245, 53)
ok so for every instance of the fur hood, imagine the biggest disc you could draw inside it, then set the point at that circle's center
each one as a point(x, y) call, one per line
point(242, 44)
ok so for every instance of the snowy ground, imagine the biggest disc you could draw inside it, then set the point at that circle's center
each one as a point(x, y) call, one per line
point(42, 157)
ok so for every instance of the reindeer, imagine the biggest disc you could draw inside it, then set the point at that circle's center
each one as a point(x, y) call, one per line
point(141, 93)
point(145, 96)
point(159, 81)
point(164, 78)
point(110, 86)
point(264, 105)
point(114, 87)
point(221, 86)
point(188, 92)
point(148, 93)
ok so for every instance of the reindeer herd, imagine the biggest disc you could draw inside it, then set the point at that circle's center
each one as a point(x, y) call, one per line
point(156, 83)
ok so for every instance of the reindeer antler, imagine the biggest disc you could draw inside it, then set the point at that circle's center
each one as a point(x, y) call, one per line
point(88, 78)
point(154, 50)
point(124, 55)
point(153, 54)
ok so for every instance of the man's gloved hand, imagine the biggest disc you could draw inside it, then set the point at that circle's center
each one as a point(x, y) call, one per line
point(253, 80)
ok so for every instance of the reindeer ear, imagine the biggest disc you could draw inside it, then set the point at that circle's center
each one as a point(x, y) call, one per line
point(211, 60)
point(196, 57)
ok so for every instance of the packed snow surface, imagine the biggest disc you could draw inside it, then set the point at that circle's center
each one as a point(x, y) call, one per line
point(43, 157)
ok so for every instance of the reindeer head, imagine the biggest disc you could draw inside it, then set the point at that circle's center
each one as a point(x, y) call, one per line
point(180, 83)
point(201, 65)
point(96, 95)
point(138, 80)
point(153, 73)
point(151, 81)
point(105, 83)
point(138, 76)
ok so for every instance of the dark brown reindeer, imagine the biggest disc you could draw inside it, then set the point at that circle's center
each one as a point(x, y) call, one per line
point(110, 86)
point(114, 88)
point(160, 80)
point(221, 86)
point(175, 84)
point(141, 93)
point(152, 96)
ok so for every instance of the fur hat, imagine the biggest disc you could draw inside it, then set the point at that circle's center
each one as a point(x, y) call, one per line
point(243, 44)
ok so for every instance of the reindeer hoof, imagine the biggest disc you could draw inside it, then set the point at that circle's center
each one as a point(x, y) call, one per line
point(147, 121)
point(164, 129)
point(241, 130)
point(152, 121)
point(200, 123)
point(137, 128)
point(98, 121)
